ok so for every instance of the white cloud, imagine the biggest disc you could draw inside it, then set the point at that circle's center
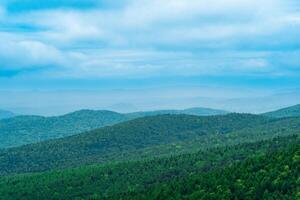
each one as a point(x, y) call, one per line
point(2, 12)
point(143, 21)
point(158, 40)
point(143, 37)
point(18, 54)
point(144, 12)
point(292, 19)
point(39, 51)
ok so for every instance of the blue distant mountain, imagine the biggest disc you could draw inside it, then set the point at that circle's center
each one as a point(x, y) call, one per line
point(4, 114)
point(27, 129)
point(292, 111)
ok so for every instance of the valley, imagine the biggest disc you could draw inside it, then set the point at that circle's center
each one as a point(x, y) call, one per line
point(144, 156)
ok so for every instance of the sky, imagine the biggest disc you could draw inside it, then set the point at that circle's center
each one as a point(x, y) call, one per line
point(57, 56)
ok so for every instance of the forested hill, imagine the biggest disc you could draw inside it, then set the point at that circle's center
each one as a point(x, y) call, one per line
point(293, 111)
point(30, 129)
point(268, 170)
point(274, 175)
point(4, 114)
point(144, 137)
point(190, 111)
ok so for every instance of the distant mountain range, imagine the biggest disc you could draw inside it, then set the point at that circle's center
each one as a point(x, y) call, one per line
point(293, 111)
point(190, 111)
point(145, 137)
point(151, 155)
point(4, 114)
point(22, 130)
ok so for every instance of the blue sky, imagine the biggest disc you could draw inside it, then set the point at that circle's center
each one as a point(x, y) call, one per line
point(251, 47)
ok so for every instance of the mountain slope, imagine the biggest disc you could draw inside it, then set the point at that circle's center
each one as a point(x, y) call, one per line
point(29, 129)
point(190, 111)
point(4, 114)
point(203, 111)
point(23, 130)
point(149, 137)
point(273, 175)
point(293, 111)
point(139, 180)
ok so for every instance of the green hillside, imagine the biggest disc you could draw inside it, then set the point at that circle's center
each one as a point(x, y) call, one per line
point(162, 135)
point(274, 175)
point(293, 111)
point(23, 130)
point(211, 174)
point(4, 114)
point(203, 111)
point(190, 111)
point(159, 157)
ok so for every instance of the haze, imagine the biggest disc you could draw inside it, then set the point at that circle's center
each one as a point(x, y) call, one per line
point(60, 56)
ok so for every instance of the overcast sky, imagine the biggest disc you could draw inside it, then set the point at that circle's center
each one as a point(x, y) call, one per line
point(60, 55)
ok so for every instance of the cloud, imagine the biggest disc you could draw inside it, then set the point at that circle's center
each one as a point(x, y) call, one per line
point(142, 22)
point(249, 46)
point(18, 54)
point(2, 12)
point(143, 38)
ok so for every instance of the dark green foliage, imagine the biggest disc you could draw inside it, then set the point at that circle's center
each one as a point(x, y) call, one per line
point(189, 176)
point(31, 129)
point(293, 111)
point(275, 175)
point(144, 137)
point(160, 157)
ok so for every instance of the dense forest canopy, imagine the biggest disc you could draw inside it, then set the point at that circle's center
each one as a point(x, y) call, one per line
point(218, 173)
point(144, 137)
point(25, 129)
point(154, 156)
